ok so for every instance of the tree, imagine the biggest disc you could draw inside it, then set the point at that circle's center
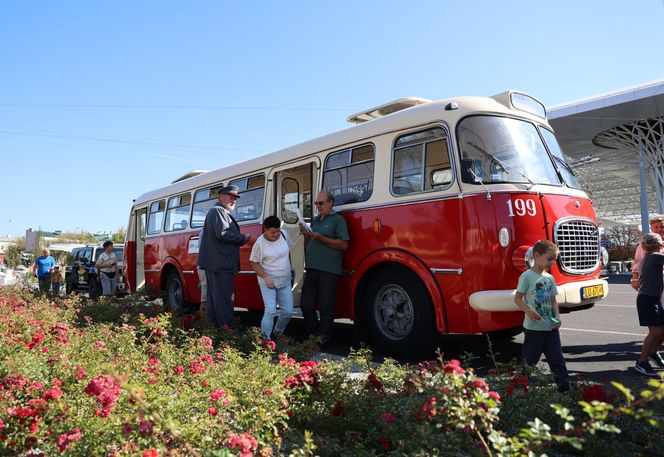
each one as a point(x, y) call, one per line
point(119, 235)
point(624, 239)
point(13, 253)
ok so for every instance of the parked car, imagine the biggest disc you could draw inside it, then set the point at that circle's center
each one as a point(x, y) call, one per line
point(81, 275)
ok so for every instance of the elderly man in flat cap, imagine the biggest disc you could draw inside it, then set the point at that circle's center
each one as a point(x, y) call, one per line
point(219, 256)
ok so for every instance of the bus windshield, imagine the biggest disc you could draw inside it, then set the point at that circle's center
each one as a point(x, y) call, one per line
point(566, 170)
point(503, 150)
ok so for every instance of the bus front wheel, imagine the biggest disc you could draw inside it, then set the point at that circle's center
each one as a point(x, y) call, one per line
point(174, 291)
point(399, 315)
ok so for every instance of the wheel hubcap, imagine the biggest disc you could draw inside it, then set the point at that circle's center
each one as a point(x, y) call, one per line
point(393, 312)
point(176, 294)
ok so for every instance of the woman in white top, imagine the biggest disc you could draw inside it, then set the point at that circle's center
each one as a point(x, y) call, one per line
point(270, 259)
point(108, 266)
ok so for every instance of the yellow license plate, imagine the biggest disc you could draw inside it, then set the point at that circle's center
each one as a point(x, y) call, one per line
point(592, 292)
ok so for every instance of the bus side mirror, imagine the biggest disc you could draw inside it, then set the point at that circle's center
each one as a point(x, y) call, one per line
point(466, 167)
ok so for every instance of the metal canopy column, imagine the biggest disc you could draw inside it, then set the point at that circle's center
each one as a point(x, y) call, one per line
point(645, 137)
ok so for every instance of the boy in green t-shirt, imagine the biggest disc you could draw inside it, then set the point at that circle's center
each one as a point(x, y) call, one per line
point(536, 297)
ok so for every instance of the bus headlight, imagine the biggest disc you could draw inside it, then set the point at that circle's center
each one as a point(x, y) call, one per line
point(522, 258)
point(530, 258)
point(604, 255)
point(503, 237)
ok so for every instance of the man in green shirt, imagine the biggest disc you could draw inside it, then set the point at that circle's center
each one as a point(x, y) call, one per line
point(325, 244)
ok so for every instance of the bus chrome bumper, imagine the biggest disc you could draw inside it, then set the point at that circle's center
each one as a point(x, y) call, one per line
point(570, 295)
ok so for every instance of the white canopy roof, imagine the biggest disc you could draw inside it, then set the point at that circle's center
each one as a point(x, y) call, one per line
point(586, 127)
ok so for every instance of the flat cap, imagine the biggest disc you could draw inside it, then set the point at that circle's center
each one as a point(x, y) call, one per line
point(230, 190)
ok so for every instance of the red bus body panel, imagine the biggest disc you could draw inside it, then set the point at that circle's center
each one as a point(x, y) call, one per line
point(457, 233)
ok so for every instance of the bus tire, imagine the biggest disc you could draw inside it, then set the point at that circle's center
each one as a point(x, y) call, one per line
point(399, 315)
point(174, 291)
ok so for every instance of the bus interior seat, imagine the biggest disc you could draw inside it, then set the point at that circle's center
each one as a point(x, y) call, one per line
point(347, 198)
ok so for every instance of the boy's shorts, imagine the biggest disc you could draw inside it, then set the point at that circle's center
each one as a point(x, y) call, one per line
point(650, 310)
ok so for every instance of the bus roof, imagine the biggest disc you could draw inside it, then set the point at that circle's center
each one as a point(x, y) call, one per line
point(421, 113)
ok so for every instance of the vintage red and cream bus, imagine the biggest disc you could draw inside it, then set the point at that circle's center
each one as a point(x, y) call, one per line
point(443, 201)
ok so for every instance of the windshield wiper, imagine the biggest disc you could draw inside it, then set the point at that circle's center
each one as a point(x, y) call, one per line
point(479, 180)
point(567, 166)
point(500, 164)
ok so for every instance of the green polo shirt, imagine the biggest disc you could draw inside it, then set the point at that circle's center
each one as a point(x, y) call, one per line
point(319, 256)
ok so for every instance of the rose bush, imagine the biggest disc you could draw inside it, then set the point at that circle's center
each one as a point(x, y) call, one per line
point(126, 378)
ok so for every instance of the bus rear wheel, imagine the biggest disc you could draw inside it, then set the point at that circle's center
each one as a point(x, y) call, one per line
point(399, 315)
point(174, 291)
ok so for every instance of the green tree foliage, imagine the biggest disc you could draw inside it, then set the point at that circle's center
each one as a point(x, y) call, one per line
point(119, 235)
point(624, 240)
point(13, 253)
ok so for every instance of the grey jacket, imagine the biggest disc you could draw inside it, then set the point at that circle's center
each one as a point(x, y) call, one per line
point(219, 248)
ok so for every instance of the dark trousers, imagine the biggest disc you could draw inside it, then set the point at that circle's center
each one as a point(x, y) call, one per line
point(319, 286)
point(45, 284)
point(219, 297)
point(536, 343)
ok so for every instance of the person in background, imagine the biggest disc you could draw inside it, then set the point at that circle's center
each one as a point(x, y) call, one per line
point(56, 279)
point(43, 267)
point(656, 226)
point(108, 269)
point(326, 242)
point(219, 256)
point(270, 259)
point(536, 297)
point(649, 301)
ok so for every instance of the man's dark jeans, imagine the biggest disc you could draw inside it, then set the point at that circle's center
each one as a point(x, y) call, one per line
point(319, 286)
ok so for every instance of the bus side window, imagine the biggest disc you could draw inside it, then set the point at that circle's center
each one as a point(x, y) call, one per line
point(204, 199)
point(421, 162)
point(252, 192)
point(156, 217)
point(349, 174)
point(177, 212)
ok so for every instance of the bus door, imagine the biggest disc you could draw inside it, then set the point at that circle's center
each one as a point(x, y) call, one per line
point(294, 190)
point(139, 224)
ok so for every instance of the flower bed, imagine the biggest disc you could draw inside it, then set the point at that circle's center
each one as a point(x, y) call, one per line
point(127, 378)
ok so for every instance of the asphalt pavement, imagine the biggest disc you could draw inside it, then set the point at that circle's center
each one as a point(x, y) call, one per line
point(600, 344)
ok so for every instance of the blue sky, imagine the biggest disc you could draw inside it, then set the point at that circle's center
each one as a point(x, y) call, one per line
point(103, 101)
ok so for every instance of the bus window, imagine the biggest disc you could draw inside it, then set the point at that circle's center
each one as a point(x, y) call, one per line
point(421, 162)
point(141, 227)
point(204, 199)
point(501, 150)
point(177, 213)
point(348, 174)
point(156, 217)
point(290, 200)
point(250, 204)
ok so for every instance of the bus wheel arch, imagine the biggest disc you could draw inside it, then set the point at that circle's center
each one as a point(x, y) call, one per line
point(396, 312)
point(173, 286)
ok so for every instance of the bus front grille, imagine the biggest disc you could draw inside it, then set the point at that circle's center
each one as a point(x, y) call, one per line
point(578, 241)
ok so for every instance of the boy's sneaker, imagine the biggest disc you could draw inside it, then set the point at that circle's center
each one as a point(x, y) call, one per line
point(645, 369)
point(657, 358)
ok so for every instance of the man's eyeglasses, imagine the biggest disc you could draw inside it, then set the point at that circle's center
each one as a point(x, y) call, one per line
point(319, 203)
